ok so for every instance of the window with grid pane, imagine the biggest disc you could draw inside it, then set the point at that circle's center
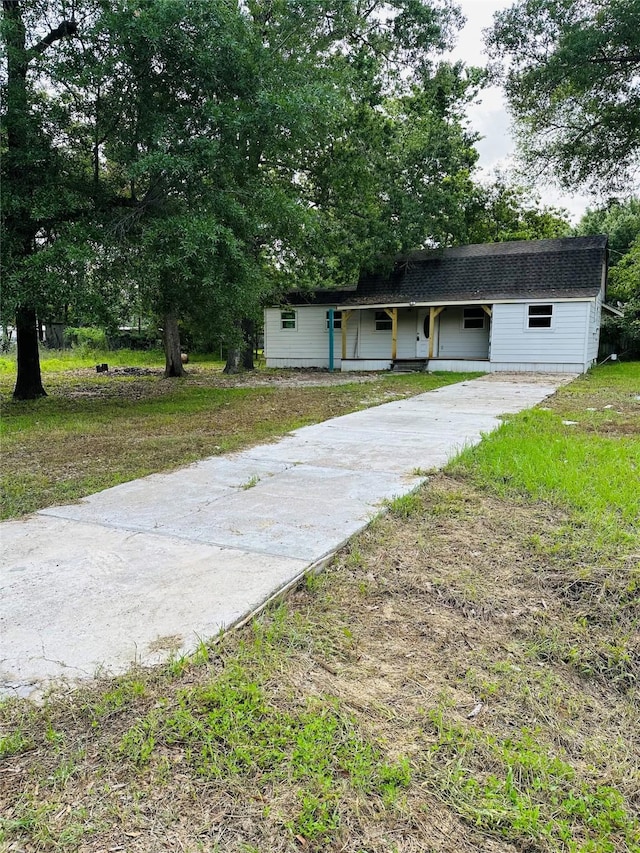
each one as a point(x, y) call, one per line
point(337, 320)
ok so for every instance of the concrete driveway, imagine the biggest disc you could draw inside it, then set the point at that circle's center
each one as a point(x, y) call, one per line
point(148, 568)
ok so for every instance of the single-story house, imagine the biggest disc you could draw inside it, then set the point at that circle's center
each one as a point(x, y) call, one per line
point(523, 305)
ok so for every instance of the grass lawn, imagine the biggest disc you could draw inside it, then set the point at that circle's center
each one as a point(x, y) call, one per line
point(465, 676)
point(97, 430)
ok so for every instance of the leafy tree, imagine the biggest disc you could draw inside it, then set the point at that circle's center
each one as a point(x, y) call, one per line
point(500, 211)
point(206, 152)
point(42, 187)
point(624, 277)
point(325, 149)
point(619, 220)
point(393, 172)
point(173, 156)
point(571, 70)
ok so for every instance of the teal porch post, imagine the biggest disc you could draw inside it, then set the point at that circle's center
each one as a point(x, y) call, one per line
point(331, 315)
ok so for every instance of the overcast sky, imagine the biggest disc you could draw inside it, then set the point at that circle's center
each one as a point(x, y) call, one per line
point(490, 117)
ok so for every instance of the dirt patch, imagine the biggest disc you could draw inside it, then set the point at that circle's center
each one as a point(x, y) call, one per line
point(529, 378)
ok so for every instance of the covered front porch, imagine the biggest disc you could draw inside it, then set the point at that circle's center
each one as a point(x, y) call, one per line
point(418, 336)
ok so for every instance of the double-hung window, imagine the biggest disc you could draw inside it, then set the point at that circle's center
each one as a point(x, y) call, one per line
point(539, 316)
point(337, 320)
point(383, 322)
point(473, 318)
point(287, 319)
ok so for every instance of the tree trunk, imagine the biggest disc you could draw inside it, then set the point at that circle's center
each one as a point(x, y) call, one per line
point(171, 343)
point(248, 334)
point(240, 356)
point(29, 379)
point(234, 360)
point(18, 180)
point(22, 176)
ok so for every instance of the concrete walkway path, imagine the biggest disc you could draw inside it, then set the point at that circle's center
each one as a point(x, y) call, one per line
point(149, 567)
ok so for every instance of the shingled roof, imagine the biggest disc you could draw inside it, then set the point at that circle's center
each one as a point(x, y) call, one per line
point(565, 268)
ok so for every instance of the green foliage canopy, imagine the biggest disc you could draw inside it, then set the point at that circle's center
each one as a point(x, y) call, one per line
point(191, 156)
point(502, 211)
point(571, 70)
point(619, 220)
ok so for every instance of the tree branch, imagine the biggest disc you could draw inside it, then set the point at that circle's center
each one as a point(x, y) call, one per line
point(628, 59)
point(66, 29)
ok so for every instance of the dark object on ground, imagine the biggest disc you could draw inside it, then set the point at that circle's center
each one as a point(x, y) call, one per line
point(136, 371)
point(102, 368)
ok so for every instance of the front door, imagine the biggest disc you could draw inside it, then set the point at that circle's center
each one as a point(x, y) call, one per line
point(422, 333)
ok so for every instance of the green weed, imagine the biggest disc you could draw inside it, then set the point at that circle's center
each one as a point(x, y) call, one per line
point(251, 482)
point(520, 789)
point(40, 823)
point(123, 695)
point(228, 728)
point(405, 506)
point(14, 743)
point(313, 582)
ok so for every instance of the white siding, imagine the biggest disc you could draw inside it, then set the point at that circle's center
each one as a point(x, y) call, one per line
point(563, 344)
point(377, 344)
point(458, 342)
point(372, 344)
point(348, 364)
point(593, 335)
point(308, 344)
point(536, 367)
point(570, 345)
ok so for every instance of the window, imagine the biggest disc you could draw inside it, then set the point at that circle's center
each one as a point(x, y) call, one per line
point(337, 320)
point(473, 318)
point(540, 316)
point(288, 319)
point(383, 322)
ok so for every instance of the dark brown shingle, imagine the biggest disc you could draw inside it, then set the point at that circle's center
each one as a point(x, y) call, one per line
point(569, 267)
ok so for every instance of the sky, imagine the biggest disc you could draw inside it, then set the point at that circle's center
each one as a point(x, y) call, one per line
point(489, 117)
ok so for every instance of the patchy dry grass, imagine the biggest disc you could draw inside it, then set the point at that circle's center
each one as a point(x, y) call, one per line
point(463, 677)
point(96, 430)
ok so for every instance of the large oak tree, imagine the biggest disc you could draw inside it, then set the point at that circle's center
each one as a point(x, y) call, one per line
point(207, 152)
point(571, 70)
point(41, 185)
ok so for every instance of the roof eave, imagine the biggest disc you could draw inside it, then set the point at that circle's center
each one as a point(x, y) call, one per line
point(451, 302)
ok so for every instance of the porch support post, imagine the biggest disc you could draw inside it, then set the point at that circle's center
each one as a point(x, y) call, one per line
point(433, 313)
point(345, 317)
point(393, 313)
point(331, 314)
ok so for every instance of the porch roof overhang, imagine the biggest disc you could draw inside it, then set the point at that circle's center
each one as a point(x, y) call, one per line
point(448, 303)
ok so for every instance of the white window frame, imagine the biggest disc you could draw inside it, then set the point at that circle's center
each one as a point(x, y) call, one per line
point(292, 317)
point(385, 321)
point(337, 320)
point(473, 317)
point(539, 313)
